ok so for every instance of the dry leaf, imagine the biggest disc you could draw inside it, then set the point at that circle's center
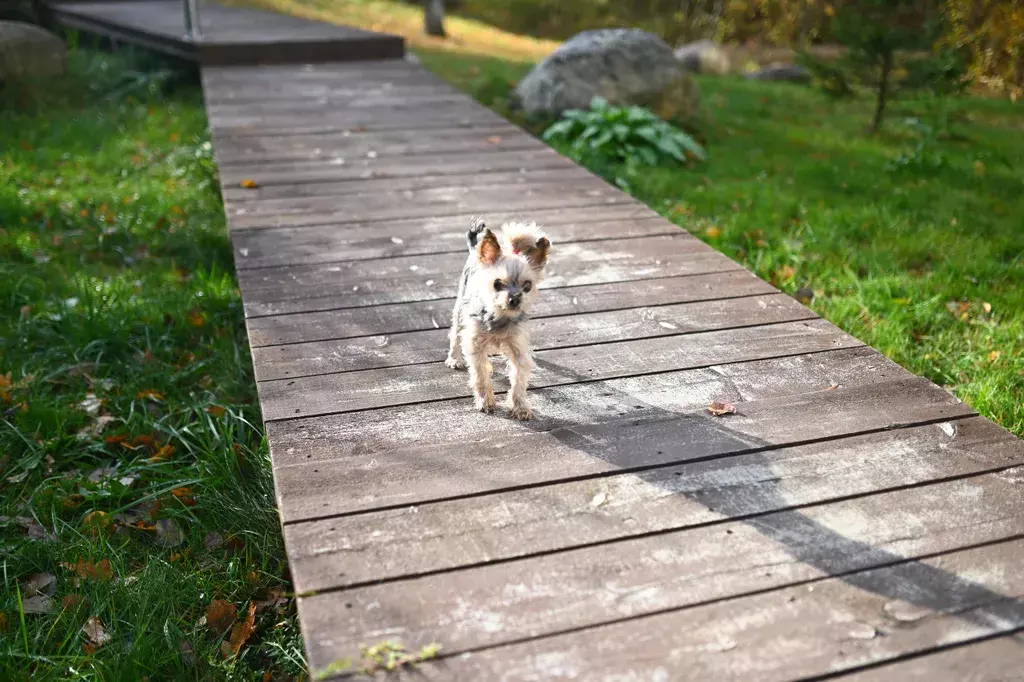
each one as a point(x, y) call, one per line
point(275, 600)
point(3, 622)
point(718, 408)
point(212, 541)
point(786, 272)
point(96, 523)
point(33, 529)
point(240, 634)
point(87, 569)
point(150, 394)
point(38, 604)
point(169, 533)
point(94, 632)
point(95, 429)
point(994, 355)
point(73, 602)
point(220, 614)
point(986, 306)
point(91, 405)
point(248, 184)
point(162, 454)
point(188, 654)
point(713, 232)
point(196, 318)
point(235, 545)
point(40, 583)
point(215, 411)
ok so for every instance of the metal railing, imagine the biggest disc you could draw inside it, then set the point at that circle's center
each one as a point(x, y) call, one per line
point(191, 9)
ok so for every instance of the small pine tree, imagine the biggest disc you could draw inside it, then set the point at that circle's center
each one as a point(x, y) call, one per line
point(879, 34)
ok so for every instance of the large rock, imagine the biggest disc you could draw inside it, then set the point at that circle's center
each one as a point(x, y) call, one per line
point(624, 66)
point(27, 51)
point(791, 73)
point(704, 56)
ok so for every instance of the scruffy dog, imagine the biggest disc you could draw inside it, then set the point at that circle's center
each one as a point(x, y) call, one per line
point(497, 287)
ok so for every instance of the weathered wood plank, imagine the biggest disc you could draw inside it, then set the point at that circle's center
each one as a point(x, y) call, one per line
point(370, 389)
point(800, 631)
point(427, 120)
point(586, 587)
point(343, 284)
point(439, 143)
point(394, 350)
point(399, 238)
point(428, 203)
point(425, 538)
point(994, 660)
point(243, 92)
point(280, 178)
point(407, 317)
point(366, 101)
point(651, 438)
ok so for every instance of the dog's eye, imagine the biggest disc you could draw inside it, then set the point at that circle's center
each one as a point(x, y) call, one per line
point(527, 286)
point(498, 285)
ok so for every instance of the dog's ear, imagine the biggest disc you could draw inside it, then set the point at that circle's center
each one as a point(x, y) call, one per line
point(488, 249)
point(538, 253)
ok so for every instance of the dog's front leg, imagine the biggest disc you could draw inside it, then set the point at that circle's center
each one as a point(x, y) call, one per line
point(520, 365)
point(479, 373)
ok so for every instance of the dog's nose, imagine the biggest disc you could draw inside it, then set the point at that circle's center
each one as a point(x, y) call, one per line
point(513, 301)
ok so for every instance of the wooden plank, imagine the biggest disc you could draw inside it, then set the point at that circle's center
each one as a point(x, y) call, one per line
point(646, 439)
point(371, 389)
point(237, 197)
point(364, 102)
point(441, 536)
point(801, 631)
point(246, 92)
point(279, 179)
point(440, 143)
point(541, 596)
point(272, 291)
point(257, 126)
point(429, 203)
point(400, 238)
point(407, 317)
point(993, 660)
point(395, 350)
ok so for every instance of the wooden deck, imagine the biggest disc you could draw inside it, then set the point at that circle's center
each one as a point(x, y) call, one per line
point(850, 520)
point(228, 35)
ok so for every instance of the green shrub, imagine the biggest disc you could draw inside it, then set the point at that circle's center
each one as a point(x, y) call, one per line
point(628, 135)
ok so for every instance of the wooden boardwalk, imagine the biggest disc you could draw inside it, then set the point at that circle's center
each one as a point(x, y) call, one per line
point(850, 519)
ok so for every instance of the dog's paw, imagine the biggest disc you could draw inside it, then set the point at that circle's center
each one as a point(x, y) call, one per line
point(521, 412)
point(454, 363)
point(484, 405)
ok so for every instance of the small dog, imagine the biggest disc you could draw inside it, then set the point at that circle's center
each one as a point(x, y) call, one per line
point(497, 287)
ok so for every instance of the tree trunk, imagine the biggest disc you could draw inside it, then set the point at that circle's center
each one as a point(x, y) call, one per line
point(434, 18)
point(883, 91)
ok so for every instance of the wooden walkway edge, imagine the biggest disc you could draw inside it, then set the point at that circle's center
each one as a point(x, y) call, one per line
point(851, 520)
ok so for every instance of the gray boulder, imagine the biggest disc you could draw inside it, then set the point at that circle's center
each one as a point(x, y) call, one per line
point(624, 66)
point(27, 51)
point(704, 56)
point(790, 73)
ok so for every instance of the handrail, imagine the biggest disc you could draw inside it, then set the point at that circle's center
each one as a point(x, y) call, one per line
point(191, 9)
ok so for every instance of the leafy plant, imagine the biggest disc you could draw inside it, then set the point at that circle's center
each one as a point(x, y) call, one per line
point(629, 135)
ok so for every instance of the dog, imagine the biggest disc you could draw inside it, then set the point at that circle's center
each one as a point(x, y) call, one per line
point(497, 287)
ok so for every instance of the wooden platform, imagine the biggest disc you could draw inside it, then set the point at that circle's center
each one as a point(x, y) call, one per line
point(229, 35)
point(851, 520)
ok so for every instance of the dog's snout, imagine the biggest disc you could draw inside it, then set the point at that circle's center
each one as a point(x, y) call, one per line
point(513, 301)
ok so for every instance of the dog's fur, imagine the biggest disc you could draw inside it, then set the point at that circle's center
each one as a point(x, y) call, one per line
point(497, 287)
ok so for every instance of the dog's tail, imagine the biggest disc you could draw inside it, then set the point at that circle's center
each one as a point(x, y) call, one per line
point(529, 240)
point(476, 227)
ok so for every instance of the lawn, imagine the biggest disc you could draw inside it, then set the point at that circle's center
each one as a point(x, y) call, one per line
point(139, 534)
point(912, 242)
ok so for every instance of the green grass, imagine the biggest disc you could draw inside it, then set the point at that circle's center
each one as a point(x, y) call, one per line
point(117, 287)
point(922, 259)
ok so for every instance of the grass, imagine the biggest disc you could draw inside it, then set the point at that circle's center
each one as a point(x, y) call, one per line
point(133, 468)
point(912, 242)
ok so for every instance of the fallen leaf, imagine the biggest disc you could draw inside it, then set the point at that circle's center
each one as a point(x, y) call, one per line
point(220, 614)
point(169, 533)
point(718, 408)
point(215, 411)
point(91, 405)
point(713, 232)
point(213, 540)
point(94, 632)
point(17, 478)
point(38, 604)
point(248, 184)
point(33, 529)
point(96, 523)
point(494, 139)
point(3, 622)
point(188, 654)
point(150, 394)
point(986, 306)
point(235, 545)
point(87, 569)
point(40, 583)
point(240, 634)
point(162, 454)
point(73, 602)
point(994, 355)
point(275, 600)
point(786, 272)
point(196, 318)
